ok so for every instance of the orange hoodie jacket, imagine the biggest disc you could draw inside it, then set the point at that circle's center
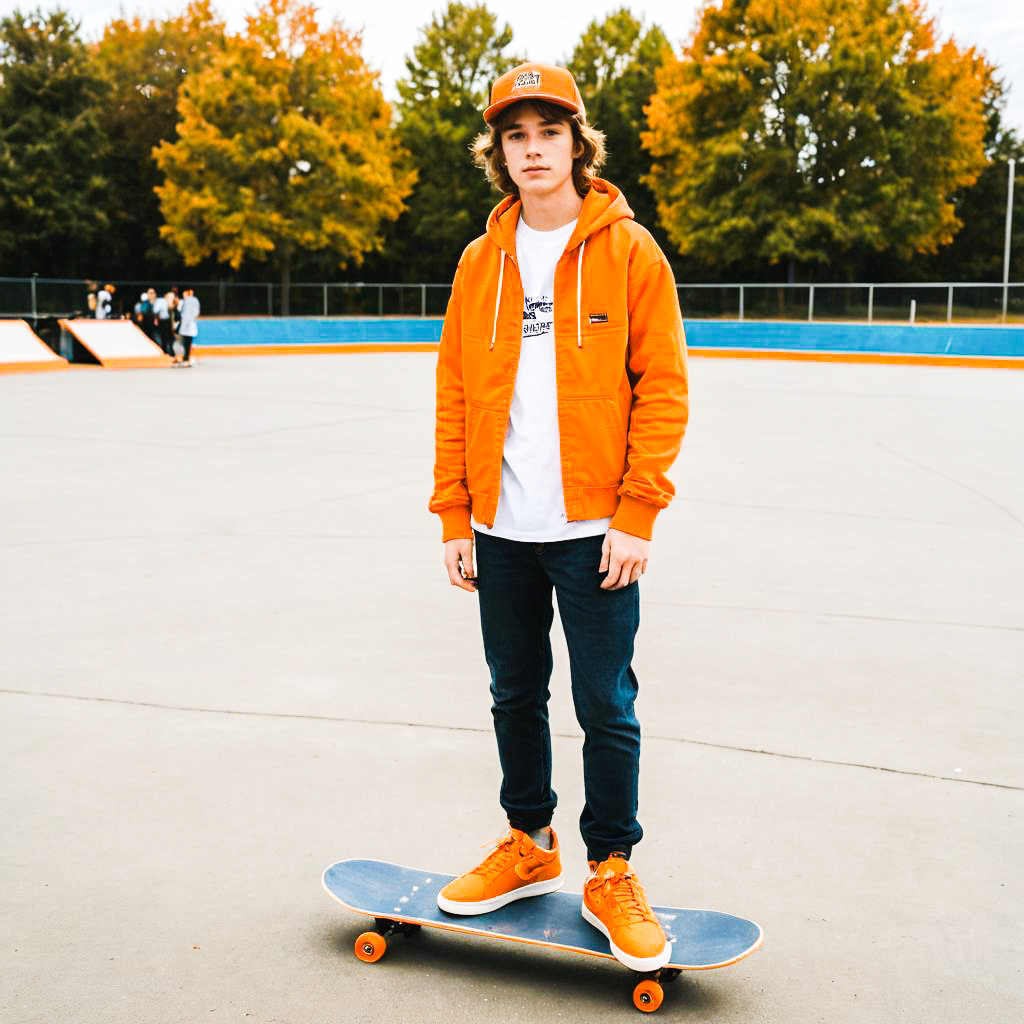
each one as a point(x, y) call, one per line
point(620, 363)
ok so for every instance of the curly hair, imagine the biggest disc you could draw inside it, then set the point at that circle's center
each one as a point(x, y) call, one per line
point(488, 154)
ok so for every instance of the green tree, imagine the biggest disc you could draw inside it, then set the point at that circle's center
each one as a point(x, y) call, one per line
point(284, 146)
point(144, 64)
point(814, 132)
point(614, 64)
point(53, 197)
point(440, 110)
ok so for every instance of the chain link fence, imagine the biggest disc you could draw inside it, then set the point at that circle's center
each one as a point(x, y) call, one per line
point(932, 302)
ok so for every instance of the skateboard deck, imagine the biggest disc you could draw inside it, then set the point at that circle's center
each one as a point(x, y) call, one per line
point(402, 900)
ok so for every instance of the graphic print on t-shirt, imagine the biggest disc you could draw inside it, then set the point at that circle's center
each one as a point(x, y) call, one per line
point(534, 308)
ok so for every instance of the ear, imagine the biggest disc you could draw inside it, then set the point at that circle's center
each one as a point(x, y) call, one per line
point(577, 150)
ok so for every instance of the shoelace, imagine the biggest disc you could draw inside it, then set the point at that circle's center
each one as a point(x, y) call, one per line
point(629, 904)
point(497, 859)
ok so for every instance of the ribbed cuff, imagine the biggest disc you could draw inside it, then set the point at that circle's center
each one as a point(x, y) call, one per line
point(635, 517)
point(455, 523)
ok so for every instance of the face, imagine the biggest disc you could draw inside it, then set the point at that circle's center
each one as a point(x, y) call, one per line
point(539, 154)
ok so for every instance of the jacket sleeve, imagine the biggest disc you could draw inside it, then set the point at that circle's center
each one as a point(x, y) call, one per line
point(450, 499)
point(658, 373)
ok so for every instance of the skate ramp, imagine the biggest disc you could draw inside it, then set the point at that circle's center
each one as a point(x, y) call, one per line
point(23, 351)
point(117, 343)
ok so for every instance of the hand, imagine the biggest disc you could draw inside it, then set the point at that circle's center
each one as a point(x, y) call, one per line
point(458, 560)
point(624, 558)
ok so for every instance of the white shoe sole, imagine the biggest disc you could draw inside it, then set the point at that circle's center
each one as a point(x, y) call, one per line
point(637, 963)
point(486, 906)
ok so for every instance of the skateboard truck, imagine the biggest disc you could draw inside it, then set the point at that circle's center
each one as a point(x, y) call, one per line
point(371, 946)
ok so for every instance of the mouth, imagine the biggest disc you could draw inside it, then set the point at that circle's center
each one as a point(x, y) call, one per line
point(534, 170)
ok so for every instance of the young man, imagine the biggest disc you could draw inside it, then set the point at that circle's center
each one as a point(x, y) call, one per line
point(561, 403)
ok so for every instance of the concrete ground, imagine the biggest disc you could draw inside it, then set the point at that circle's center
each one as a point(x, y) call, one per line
point(229, 656)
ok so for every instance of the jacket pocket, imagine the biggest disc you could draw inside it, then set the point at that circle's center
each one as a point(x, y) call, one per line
point(594, 438)
point(599, 366)
point(480, 441)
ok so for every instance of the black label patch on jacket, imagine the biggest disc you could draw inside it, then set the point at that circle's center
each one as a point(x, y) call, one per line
point(599, 318)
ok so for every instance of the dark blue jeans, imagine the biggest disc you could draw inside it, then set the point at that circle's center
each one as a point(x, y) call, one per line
point(515, 584)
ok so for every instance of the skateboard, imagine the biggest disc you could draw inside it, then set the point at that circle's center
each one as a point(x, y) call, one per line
point(402, 900)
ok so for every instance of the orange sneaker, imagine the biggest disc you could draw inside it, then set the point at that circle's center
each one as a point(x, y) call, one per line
point(614, 902)
point(515, 869)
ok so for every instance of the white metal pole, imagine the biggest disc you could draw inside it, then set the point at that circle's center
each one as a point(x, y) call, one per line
point(871, 302)
point(810, 305)
point(1006, 243)
point(913, 309)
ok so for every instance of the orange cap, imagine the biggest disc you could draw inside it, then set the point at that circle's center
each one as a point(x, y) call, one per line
point(533, 81)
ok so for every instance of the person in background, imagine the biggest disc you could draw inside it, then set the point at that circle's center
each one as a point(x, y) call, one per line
point(188, 329)
point(162, 317)
point(151, 329)
point(143, 315)
point(90, 297)
point(104, 302)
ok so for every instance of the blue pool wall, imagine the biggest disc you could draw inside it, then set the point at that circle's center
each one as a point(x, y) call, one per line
point(903, 339)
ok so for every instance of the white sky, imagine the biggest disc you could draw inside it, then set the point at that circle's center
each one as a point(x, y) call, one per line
point(548, 32)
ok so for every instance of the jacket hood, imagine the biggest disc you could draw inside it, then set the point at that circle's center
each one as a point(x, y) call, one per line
point(603, 204)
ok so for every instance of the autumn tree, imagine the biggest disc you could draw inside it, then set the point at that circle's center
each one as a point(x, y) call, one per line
point(284, 146)
point(814, 132)
point(440, 111)
point(614, 64)
point(53, 196)
point(976, 252)
point(144, 63)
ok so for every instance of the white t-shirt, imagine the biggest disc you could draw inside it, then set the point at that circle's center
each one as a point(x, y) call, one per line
point(531, 506)
point(104, 300)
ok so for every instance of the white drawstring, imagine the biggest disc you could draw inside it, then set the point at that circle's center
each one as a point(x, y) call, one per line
point(497, 298)
point(579, 296)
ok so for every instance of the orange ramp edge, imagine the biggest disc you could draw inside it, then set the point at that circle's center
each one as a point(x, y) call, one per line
point(23, 351)
point(117, 343)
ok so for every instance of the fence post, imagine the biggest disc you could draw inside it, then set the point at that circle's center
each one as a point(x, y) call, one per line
point(913, 309)
point(34, 309)
point(423, 300)
point(325, 299)
point(871, 302)
point(949, 306)
point(220, 292)
point(380, 300)
point(1006, 241)
point(741, 302)
point(270, 299)
point(810, 305)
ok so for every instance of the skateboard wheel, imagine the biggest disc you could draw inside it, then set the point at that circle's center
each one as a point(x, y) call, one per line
point(647, 996)
point(370, 947)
